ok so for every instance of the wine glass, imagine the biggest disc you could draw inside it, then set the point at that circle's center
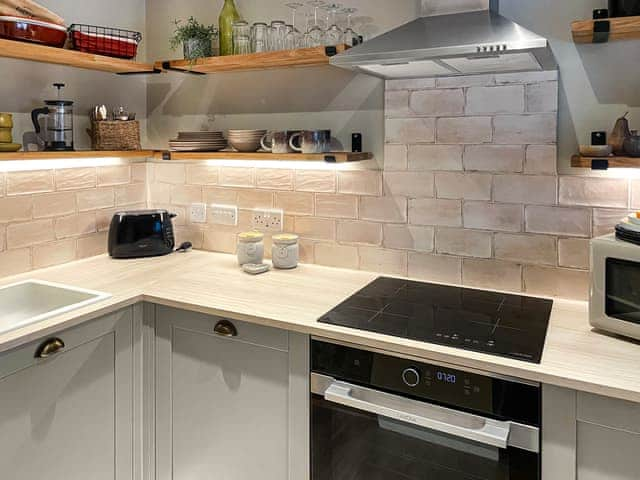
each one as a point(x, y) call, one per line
point(333, 35)
point(349, 37)
point(293, 38)
point(315, 35)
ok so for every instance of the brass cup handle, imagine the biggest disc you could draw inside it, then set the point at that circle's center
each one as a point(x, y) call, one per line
point(50, 347)
point(225, 328)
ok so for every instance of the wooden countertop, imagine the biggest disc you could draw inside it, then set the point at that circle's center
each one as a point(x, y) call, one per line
point(575, 356)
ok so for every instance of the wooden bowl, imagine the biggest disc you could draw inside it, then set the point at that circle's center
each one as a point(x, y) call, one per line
point(595, 150)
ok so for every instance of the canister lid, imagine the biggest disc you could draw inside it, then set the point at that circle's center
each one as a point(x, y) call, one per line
point(250, 237)
point(285, 239)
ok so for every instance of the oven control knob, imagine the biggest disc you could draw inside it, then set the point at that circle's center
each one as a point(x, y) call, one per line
point(411, 377)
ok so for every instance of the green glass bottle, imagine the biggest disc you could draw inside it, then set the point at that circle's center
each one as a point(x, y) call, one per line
point(228, 16)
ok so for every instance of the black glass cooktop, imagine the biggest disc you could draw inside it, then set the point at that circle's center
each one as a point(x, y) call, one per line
point(500, 324)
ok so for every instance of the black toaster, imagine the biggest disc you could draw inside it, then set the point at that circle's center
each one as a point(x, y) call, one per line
point(141, 233)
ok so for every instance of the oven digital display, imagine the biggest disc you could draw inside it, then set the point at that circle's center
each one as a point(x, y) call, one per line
point(446, 377)
point(622, 292)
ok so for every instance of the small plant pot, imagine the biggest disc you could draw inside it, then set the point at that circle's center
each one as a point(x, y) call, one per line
point(195, 48)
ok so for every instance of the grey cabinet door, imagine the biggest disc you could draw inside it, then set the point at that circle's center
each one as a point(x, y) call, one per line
point(69, 416)
point(229, 408)
point(589, 437)
point(608, 438)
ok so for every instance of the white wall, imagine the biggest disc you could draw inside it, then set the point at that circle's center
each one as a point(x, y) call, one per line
point(598, 83)
point(293, 99)
point(25, 85)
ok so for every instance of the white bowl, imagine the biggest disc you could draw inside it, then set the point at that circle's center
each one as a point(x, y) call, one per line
point(633, 219)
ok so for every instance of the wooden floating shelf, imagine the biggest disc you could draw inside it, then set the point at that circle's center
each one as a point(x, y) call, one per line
point(612, 162)
point(303, 57)
point(71, 58)
point(621, 28)
point(79, 154)
point(334, 157)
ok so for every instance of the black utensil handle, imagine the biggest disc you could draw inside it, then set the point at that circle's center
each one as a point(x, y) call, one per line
point(35, 114)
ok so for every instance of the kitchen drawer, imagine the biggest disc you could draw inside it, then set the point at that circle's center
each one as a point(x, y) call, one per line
point(608, 412)
point(24, 356)
point(246, 332)
point(605, 453)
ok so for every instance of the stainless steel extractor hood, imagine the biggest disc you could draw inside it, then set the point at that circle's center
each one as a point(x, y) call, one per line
point(458, 44)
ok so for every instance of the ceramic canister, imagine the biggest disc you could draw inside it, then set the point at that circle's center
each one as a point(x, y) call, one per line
point(285, 251)
point(250, 248)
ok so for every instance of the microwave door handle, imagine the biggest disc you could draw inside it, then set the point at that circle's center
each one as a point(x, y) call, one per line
point(444, 420)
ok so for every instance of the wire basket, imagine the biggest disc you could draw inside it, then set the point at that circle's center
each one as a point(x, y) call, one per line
point(111, 42)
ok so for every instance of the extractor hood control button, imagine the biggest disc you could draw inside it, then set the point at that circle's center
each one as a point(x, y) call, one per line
point(411, 377)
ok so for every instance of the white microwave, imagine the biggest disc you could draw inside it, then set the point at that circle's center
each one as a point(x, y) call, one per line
point(614, 302)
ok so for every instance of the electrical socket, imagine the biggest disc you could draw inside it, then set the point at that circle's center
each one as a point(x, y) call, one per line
point(223, 214)
point(198, 213)
point(267, 219)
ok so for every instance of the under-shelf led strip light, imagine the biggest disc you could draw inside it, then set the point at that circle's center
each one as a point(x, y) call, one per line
point(61, 163)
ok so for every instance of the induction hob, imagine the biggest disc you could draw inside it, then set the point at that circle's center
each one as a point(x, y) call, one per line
point(501, 324)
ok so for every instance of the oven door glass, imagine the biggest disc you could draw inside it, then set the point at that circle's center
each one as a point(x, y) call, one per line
point(352, 444)
point(622, 292)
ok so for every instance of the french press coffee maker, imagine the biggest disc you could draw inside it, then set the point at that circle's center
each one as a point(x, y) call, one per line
point(58, 125)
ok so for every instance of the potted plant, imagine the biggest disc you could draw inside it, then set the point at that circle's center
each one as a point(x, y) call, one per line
point(195, 38)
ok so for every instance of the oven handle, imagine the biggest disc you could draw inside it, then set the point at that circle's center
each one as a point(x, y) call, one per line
point(452, 422)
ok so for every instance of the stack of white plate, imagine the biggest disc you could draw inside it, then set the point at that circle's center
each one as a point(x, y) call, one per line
point(246, 140)
point(198, 142)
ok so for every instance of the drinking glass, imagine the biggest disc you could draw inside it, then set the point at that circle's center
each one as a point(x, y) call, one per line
point(242, 45)
point(259, 37)
point(349, 36)
point(277, 34)
point(333, 35)
point(241, 38)
point(315, 35)
point(293, 38)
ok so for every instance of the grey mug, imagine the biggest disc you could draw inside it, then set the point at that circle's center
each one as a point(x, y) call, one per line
point(312, 141)
point(278, 142)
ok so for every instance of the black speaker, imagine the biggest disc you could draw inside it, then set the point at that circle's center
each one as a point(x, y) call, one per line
point(598, 138)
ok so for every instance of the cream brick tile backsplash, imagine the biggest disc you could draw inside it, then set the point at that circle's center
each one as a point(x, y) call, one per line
point(49, 217)
point(468, 192)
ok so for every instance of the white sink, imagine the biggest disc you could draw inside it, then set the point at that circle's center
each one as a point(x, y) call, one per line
point(32, 301)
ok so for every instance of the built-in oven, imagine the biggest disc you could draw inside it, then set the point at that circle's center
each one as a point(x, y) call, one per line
point(375, 416)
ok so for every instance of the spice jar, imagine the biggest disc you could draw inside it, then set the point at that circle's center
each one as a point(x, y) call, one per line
point(250, 248)
point(285, 251)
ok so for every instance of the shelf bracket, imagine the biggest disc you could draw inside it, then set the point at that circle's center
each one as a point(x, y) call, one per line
point(601, 30)
point(167, 66)
point(152, 72)
point(331, 51)
point(599, 164)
